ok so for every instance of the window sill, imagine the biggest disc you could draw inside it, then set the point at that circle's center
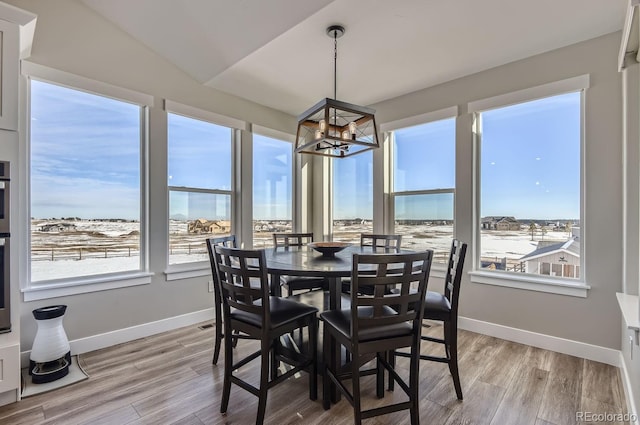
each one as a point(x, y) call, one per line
point(188, 270)
point(629, 308)
point(45, 291)
point(530, 283)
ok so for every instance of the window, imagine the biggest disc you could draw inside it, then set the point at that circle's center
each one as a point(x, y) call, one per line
point(423, 186)
point(530, 187)
point(85, 175)
point(199, 164)
point(352, 197)
point(272, 185)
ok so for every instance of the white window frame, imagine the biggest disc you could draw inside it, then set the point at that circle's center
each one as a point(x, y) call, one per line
point(291, 139)
point(181, 271)
point(82, 284)
point(540, 283)
point(438, 270)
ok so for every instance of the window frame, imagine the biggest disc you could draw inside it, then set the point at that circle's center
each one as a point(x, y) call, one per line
point(541, 283)
point(332, 204)
point(181, 271)
point(82, 284)
point(282, 137)
point(438, 269)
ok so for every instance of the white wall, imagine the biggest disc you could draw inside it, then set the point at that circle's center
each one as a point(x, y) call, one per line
point(596, 319)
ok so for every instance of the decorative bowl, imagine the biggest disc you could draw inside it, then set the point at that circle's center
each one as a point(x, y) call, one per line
point(328, 249)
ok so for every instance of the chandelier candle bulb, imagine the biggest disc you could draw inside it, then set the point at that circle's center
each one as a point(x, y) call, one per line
point(352, 129)
point(322, 125)
point(318, 134)
point(346, 135)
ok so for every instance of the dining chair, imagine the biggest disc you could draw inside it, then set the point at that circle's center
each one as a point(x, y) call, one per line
point(297, 283)
point(248, 309)
point(230, 242)
point(376, 325)
point(444, 307)
point(379, 242)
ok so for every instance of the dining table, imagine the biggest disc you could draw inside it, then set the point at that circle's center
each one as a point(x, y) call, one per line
point(305, 261)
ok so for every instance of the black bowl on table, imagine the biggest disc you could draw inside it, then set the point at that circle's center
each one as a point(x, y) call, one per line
point(328, 249)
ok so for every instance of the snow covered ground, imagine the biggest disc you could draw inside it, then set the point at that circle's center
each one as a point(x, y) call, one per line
point(111, 246)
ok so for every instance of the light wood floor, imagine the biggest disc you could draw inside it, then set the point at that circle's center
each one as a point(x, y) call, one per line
point(169, 379)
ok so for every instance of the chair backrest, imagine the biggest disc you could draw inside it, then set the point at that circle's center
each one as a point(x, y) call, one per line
point(409, 273)
point(383, 242)
point(244, 281)
point(454, 274)
point(229, 242)
point(291, 239)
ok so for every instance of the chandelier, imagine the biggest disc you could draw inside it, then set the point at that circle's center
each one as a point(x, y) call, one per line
point(334, 128)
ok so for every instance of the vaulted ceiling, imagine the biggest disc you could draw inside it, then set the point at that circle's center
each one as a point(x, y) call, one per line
point(277, 53)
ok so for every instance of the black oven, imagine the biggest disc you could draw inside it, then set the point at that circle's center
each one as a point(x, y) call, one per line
point(5, 280)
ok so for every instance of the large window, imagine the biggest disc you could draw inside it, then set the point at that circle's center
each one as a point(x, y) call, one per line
point(352, 197)
point(272, 203)
point(423, 186)
point(199, 158)
point(530, 187)
point(85, 168)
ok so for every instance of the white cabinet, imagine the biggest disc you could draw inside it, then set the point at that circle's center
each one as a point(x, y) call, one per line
point(9, 373)
point(17, 28)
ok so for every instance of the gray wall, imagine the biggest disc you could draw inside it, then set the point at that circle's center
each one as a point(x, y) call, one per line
point(72, 38)
point(596, 319)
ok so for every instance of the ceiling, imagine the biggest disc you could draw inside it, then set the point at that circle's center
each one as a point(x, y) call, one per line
point(277, 53)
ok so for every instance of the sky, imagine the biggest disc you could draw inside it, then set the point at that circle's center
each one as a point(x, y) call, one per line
point(85, 156)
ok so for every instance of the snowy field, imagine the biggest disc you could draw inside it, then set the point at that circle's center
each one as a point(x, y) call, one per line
point(93, 247)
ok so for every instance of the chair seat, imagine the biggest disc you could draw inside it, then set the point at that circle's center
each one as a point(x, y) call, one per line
point(282, 311)
point(303, 282)
point(341, 321)
point(320, 299)
point(436, 306)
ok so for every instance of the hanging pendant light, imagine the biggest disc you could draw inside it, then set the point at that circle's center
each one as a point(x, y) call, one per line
point(335, 128)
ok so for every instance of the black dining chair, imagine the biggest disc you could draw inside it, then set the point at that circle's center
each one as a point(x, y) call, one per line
point(444, 307)
point(229, 242)
point(379, 243)
point(249, 309)
point(297, 283)
point(376, 325)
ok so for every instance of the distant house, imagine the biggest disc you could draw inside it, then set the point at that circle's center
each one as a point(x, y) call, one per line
point(203, 225)
point(500, 223)
point(552, 258)
point(58, 227)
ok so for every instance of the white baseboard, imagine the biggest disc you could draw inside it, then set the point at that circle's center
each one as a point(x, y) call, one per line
point(628, 391)
point(547, 342)
point(107, 339)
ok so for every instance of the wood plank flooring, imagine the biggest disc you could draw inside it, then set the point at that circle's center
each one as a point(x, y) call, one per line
point(169, 379)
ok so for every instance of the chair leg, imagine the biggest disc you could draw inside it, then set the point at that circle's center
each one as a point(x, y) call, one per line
point(218, 342)
point(264, 381)
point(326, 356)
point(228, 364)
point(452, 343)
point(414, 382)
point(355, 382)
point(380, 374)
point(313, 349)
point(392, 363)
